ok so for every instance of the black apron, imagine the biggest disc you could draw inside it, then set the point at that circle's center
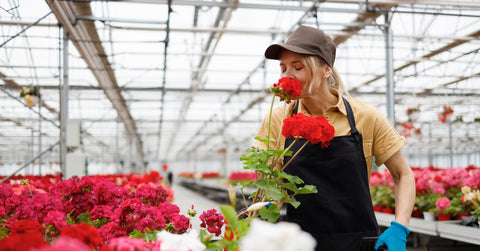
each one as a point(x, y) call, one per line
point(341, 213)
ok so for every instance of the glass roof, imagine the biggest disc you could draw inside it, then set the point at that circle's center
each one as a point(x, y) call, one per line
point(144, 98)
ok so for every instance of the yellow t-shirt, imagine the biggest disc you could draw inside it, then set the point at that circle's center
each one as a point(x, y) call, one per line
point(380, 139)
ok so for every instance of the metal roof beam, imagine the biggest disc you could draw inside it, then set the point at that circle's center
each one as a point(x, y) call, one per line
point(82, 32)
point(445, 48)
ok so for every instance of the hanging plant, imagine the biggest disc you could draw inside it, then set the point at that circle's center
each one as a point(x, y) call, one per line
point(447, 111)
point(458, 118)
point(413, 113)
point(409, 129)
point(31, 94)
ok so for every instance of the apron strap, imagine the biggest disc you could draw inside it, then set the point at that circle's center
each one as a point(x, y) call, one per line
point(350, 116)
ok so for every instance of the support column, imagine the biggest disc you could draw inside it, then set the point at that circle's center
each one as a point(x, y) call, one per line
point(39, 135)
point(64, 88)
point(389, 70)
point(450, 140)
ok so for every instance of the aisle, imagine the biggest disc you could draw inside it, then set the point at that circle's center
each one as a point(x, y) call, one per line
point(185, 198)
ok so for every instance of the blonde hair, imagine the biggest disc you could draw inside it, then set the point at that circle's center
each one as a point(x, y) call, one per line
point(334, 81)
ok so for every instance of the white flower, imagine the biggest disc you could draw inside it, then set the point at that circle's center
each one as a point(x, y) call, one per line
point(282, 236)
point(180, 242)
point(469, 196)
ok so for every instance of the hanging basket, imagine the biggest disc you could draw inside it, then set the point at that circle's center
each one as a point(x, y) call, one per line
point(31, 100)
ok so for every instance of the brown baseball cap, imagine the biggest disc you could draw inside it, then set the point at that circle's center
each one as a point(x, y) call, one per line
point(306, 40)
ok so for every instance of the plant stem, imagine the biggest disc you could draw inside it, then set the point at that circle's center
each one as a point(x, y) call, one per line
point(295, 155)
point(281, 126)
point(270, 122)
point(285, 151)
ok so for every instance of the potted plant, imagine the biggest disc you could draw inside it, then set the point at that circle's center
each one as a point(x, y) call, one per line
point(384, 197)
point(444, 209)
point(413, 113)
point(445, 114)
point(426, 204)
point(31, 94)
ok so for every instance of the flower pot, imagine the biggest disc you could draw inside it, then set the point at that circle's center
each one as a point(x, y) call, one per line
point(444, 217)
point(388, 210)
point(460, 215)
point(429, 216)
point(31, 100)
point(377, 208)
point(417, 213)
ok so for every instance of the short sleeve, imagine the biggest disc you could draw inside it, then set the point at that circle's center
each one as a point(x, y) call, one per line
point(386, 140)
point(276, 139)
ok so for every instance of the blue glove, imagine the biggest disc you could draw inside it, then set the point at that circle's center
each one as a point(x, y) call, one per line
point(395, 237)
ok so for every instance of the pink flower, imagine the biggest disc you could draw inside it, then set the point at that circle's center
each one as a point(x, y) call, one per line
point(442, 203)
point(151, 195)
point(66, 243)
point(3, 212)
point(213, 221)
point(56, 219)
point(127, 244)
point(111, 230)
point(101, 211)
point(181, 223)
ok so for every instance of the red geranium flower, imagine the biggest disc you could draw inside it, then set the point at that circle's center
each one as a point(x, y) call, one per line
point(22, 242)
point(287, 89)
point(26, 227)
point(85, 233)
point(314, 129)
point(213, 221)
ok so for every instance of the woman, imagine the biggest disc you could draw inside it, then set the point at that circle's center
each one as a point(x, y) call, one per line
point(340, 215)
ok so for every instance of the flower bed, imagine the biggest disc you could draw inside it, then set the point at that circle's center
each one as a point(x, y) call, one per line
point(240, 176)
point(453, 191)
point(90, 213)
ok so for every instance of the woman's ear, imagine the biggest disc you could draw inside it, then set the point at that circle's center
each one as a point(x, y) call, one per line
point(327, 72)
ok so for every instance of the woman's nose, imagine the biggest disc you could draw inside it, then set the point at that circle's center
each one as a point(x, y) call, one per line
point(287, 73)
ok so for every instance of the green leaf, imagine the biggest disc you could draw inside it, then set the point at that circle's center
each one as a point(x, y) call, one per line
point(85, 217)
point(271, 214)
point(295, 203)
point(230, 215)
point(136, 234)
point(291, 178)
point(307, 189)
point(272, 193)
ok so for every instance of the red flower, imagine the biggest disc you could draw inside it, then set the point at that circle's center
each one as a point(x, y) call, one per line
point(314, 129)
point(22, 242)
point(447, 111)
point(26, 227)
point(213, 221)
point(287, 89)
point(85, 233)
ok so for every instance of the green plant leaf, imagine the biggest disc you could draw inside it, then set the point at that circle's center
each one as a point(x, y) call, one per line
point(271, 214)
point(307, 189)
point(295, 203)
point(290, 178)
point(272, 193)
point(136, 234)
point(230, 215)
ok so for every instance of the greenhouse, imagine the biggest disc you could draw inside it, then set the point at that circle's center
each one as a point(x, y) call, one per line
point(124, 111)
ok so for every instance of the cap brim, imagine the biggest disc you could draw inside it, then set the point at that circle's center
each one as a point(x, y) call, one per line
point(273, 51)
